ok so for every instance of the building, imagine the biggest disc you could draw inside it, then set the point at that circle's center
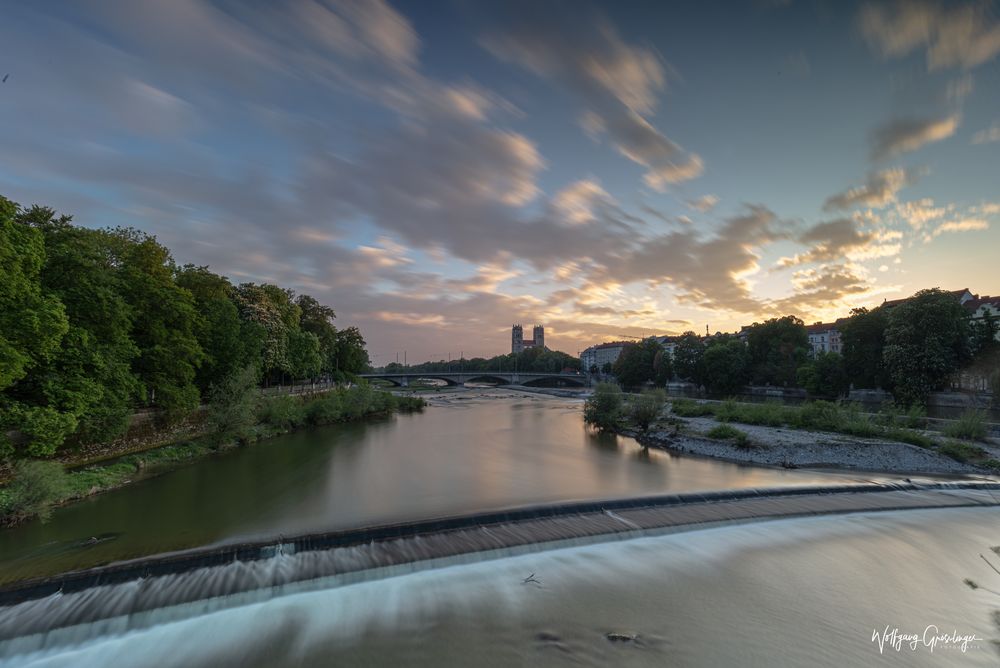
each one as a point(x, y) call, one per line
point(669, 343)
point(595, 357)
point(824, 337)
point(963, 296)
point(981, 307)
point(518, 344)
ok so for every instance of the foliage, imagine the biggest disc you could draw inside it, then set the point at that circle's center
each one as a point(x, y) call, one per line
point(926, 340)
point(232, 406)
point(317, 319)
point(662, 368)
point(862, 340)
point(283, 413)
point(645, 408)
point(351, 356)
point(35, 487)
point(604, 407)
point(635, 366)
point(304, 358)
point(777, 348)
point(690, 408)
point(970, 425)
point(535, 360)
point(688, 358)
point(727, 366)
point(962, 452)
point(725, 432)
point(824, 376)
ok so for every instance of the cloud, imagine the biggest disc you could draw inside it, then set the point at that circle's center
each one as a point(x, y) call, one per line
point(920, 212)
point(908, 134)
point(987, 136)
point(965, 225)
point(576, 202)
point(953, 35)
point(878, 190)
point(703, 203)
point(830, 241)
point(618, 83)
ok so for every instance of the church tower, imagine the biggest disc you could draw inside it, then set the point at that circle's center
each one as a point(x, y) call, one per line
point(516, 339)
point(538, 334)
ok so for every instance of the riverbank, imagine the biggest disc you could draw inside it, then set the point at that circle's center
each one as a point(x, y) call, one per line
point(796, 448)
point(270, 418)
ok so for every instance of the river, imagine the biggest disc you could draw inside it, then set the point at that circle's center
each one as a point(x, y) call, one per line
point(469, 451)
point(790, 592)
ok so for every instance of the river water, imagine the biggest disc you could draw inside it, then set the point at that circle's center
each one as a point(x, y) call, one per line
point(469, 451)
point(818, 591)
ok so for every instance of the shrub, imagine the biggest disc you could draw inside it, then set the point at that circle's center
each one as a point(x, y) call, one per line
point(909, 436)
point(690, 408)
point(36, 486)
point(645, 407)
point(232, 406)
point(971, 426)
point(962, 452)
point(604, 406)
point(283, 412)
point(725, 432)
point(326, 409)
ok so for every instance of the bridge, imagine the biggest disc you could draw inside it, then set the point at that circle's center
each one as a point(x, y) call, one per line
point(491, 377)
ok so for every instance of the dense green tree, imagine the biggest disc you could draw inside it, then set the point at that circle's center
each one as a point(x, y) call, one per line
point(232, 405)
point(318, 319)
point(352, 358)
point(164, 320)
point(229, 343)
point(688, 359)
point(777, 348)
point(862, 340)
point(274, 312)
point(32, 321)
point(304, 359)
point(926, 341)
point(662, 368)
point(635, 366)
point(90, 376)
point(727, 366)
point(824, 376)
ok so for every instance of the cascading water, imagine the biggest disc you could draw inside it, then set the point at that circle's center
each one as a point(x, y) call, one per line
point(297, 585)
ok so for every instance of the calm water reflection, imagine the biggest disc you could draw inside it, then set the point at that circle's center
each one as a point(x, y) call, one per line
point(469, 451)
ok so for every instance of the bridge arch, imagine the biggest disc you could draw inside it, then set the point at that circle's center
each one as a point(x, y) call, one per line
point(553, 381)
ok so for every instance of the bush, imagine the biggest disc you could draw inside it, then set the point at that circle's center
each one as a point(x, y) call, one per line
point(283, 412)
point(962, 452)
point(909, 436)
point(604, 407)
point(36, 486)
point(645, 407)
point(326, 409)
point(725, 432)
point(232, 406)
point(971, 426)
point(690, 408)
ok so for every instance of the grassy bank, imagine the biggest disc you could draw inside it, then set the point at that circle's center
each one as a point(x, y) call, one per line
point(845, 418)
point(38, 485)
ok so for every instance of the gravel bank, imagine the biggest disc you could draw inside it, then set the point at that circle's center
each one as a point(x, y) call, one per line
point(806, 449)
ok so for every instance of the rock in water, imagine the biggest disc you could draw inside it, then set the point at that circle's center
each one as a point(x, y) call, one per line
point(621, 637)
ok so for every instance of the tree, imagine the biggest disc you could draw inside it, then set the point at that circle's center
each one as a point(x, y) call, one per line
point(603, 408)
point(163, 325)
point(304, 359)
point(274, 315)
point(352, 358)
point(862, 341)
point(824, 376)
point(229, 344)
point(318, 319)
point(89, 377)
point(662, 368)
point(926, 341)
point(232, 406)
point(634, 367)
point(777, 348)
point(727, 366)
point(32, 322)
point(688, 359)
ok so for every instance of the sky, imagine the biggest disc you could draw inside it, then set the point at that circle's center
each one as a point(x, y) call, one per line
point(438, 171)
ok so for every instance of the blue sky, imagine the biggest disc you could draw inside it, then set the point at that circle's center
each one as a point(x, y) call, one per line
point(439, 170)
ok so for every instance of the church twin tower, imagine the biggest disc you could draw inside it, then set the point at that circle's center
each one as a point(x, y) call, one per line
point(519, 344)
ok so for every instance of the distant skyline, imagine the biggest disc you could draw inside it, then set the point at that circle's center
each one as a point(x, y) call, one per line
point(437, 171)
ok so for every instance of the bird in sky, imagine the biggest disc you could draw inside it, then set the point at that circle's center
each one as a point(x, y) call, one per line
point(4, 80)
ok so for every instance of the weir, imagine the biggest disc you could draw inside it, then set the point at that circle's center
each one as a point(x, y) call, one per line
point(125, 594)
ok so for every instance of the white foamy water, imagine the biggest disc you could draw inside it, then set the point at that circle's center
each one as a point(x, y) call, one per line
point(779, 593)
